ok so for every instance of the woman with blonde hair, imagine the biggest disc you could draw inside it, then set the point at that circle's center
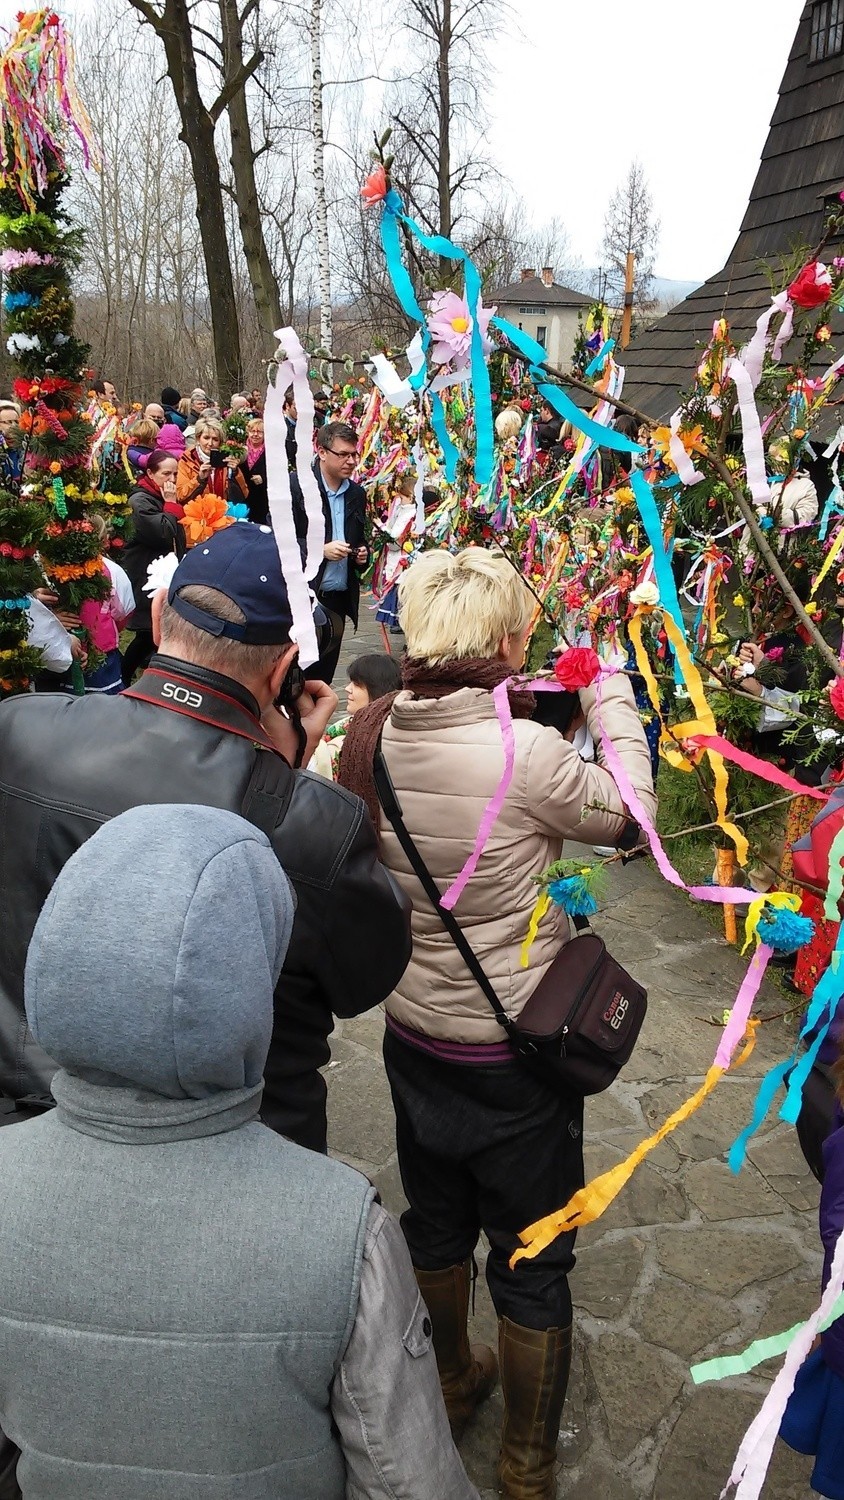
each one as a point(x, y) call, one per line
point(484, 1145)
point(205, 471)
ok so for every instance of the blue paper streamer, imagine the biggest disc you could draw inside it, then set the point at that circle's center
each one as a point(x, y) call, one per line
point(764, 1099)
point(603, 437)
point(646, 502)
point(834, 507)
point(596, 365)
point(450, 453)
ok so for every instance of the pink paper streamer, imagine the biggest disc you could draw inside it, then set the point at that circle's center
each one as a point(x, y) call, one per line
point(757, 1445)
point(280, 502)
point(742, 1006)
point(751, 433)
point(758, 767)
point(496, 801)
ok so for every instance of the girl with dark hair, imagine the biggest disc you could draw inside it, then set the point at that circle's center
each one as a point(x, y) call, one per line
point(370, 677)
point(157, 531)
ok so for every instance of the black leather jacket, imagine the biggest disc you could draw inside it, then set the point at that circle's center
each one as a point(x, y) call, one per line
point(68, 764)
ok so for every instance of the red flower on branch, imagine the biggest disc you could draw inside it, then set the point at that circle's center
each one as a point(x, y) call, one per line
point(836, 697)
point(577, 668)
point(812, 287)
point(374, 189)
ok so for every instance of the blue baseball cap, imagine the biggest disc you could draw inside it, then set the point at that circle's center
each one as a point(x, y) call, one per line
point(242, 562)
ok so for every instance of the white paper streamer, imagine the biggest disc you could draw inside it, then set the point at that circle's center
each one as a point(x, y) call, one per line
point(679, 457)
point(420, 463)
point(298, 361)
point(280, 502)
point(751, 434)
point(753, 355)
point(396, 390)
point(754, 1455)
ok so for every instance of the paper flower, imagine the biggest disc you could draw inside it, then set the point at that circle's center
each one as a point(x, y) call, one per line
point(374, 189)
point(160, 573)
point(203, 517)
point(20, 343)
point(577, 667)
point(836, 697)
point(812, 287)
point(450, 326)
point(824, 334)
point(645, 593)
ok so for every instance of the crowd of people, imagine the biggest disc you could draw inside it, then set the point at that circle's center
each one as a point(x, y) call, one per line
point(200, 874)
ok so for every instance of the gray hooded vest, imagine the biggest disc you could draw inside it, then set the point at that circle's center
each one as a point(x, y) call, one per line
point(177, 1282)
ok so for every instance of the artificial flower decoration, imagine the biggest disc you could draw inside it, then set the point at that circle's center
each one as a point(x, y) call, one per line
point(577, 667)
point(204, 516)
point(645, 593)
point(836, 697)
point(813, 287)
point(160, 573)
point(450, 326)
point(824, 334)
point(374, 189)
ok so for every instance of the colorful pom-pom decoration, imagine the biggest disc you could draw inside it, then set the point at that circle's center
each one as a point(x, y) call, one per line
point(575, 887)
point(784, 930)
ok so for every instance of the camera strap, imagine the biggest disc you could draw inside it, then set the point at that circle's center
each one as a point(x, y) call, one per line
point(196, 700)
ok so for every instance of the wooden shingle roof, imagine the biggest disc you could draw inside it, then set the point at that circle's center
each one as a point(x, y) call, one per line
point(801, 170)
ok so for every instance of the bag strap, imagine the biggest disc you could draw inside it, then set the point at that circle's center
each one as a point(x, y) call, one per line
point(392, 808)
point(262, 805)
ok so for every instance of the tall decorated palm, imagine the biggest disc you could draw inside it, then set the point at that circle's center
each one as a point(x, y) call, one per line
point(44, 507)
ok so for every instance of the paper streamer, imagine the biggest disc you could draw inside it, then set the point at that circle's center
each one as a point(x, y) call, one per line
point(725, 1365)
point(298, 361)
point(828, 561)
point(646, 502)
point(679, 457)
point(280, 503)
point(543, 901)
point(396, 390)
point(736, 1025)
point(754, 1454)
point(496, 801)
point(751, 431)
point(752, 355)
point(591, 1201)
point(758, 767)
point(835, 889)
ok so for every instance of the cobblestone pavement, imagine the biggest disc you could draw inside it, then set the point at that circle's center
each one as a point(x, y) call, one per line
point(690, 1261)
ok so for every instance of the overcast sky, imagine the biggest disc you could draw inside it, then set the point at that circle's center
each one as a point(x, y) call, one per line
point(578, 90)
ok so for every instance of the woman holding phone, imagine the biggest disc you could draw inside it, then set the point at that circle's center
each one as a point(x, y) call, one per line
point(206, 469)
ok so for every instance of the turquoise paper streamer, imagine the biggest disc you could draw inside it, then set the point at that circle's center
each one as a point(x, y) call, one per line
point(764, 1099)
point(834, 507)
point(450, 453)
point(402, 284)
point(596, 365)
point(828, 992)
point(653, 530)
point(438, 245)
point(756, 1353)
point(603, 437)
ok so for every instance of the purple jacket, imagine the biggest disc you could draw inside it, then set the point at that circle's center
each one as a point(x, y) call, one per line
point(832, 1224)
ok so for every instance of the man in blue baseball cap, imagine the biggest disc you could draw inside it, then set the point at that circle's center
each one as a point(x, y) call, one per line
point(219, 718)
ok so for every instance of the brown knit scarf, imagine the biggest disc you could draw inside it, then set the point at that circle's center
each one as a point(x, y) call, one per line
point(357, 757)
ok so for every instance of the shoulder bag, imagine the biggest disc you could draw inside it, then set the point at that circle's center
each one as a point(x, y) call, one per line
point(580, 1025)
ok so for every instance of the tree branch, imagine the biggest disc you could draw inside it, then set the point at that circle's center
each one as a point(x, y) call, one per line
point(235, 84)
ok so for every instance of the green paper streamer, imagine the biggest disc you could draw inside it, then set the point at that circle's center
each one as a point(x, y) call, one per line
point(761, 1349)
point(836, 878)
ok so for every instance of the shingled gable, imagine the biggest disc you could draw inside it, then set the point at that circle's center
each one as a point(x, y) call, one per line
point(533, 292)
point(801, 172)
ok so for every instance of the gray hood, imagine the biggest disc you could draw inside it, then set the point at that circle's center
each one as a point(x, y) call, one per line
point(153, 963)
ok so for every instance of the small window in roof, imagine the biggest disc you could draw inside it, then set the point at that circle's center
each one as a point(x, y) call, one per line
point(826, 38)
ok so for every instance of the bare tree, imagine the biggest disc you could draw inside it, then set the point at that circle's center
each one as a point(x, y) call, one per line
point(438, 113)
point(630, 227)
point(506, 242)
point(326, 332)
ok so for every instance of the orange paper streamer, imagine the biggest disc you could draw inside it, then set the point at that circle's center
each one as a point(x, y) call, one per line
point(591, 1201)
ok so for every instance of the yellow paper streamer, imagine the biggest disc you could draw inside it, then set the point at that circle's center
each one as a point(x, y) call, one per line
point(594, 1199)
point(643, 663)
point(706, 716)
point(828, 561)
point(543, 901)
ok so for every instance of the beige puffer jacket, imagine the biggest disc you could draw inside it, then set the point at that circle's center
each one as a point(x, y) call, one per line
point(446, 758)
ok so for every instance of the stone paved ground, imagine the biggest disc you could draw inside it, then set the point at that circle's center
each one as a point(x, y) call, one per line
point(688, 1262)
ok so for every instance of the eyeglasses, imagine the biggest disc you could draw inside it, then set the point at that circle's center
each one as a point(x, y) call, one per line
point(160, 420)
point(345, 458)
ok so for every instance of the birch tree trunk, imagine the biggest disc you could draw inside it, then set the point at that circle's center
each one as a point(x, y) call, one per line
point(326, 332)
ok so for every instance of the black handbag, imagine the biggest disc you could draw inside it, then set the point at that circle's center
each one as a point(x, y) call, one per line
point(580, 1025)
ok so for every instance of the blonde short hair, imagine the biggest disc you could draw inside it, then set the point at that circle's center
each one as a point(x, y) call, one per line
point(207, 424)
point(454, 606)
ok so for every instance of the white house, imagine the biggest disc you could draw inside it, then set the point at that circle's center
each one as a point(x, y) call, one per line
point(544, 309)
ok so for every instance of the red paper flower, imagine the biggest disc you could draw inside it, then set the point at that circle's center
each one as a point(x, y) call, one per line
point(836, 697)
point(374, 189)
point(577, 667)
point(812, 287)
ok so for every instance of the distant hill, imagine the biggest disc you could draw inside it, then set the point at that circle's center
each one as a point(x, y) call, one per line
point(667, 292)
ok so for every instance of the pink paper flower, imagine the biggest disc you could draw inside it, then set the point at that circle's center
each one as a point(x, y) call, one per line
point(450, 326)
point(374, 189)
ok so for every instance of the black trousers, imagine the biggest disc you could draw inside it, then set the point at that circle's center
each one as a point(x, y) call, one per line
point(137, 654)
point(336, 603)
point(487, 1149)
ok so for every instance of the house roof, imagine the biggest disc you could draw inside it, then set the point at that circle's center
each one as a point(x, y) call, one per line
point(534, 290)
point(801, 165)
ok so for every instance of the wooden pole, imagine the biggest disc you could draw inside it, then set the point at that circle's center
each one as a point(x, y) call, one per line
point(627, 317)
point(726, 866)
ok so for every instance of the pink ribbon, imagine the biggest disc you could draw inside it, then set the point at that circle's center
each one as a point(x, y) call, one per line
point(97, 620)
point(743, 1004)
point(496, 801)
point(758, 767)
